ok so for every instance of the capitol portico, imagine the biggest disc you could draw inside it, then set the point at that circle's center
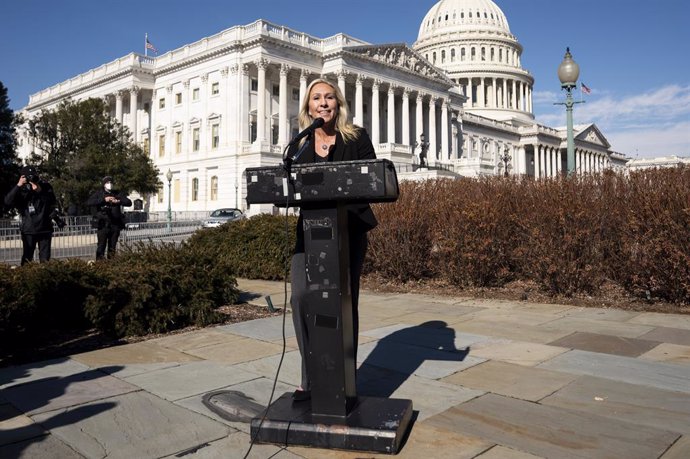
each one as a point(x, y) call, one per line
point(211, 109)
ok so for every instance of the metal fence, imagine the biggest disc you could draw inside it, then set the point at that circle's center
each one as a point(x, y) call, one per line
point(78, 240)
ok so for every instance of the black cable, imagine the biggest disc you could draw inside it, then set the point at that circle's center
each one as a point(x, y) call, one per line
point(282, 354)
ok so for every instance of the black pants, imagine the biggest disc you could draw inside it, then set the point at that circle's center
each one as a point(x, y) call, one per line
point(298, 281)
point(29, 242)
point(107, 237)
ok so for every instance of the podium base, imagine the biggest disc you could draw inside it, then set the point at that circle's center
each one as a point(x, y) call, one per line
point(375, 424)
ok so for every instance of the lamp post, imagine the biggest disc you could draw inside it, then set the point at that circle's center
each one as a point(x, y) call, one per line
point(568, 73)
point(504, 161)
point(169, 176)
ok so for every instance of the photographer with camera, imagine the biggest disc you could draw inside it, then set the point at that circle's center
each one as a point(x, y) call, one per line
point(107, 216)
point(35, 201)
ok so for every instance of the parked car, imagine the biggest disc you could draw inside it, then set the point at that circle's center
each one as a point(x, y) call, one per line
point(220, 216)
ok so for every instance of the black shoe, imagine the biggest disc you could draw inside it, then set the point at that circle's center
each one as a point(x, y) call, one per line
point(301, 395)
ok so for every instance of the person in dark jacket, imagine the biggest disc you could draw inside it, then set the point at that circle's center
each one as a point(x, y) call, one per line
point(106, 210)
point(35, 201)
point(336, 140)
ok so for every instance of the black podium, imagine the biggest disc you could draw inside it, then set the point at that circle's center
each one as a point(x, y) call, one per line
point(335, 417)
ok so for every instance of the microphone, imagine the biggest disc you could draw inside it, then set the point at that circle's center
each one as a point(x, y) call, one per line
point(318, 122)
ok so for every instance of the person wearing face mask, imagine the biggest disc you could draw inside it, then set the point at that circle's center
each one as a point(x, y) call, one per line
point(337, 140)
point(107, 216)
point(35, 201)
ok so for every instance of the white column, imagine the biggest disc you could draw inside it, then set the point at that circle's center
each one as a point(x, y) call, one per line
point(433, 147)
point(537, 161)
point(494, 93)
point(375, 135)
point(547, 153)
point(391, 114)
point(406, 118)
point(133, 111)
point(359, 102)
point(444, 130)
point(282, 106)
point(504, 98)
point(341, 81)
point(118, 106)
point(470, 92)
point(578, 162)
point(514, 96)
point(261, 102)
point(303, 86)
point(233, 107)
point(245, 86)
point(419, 117)
point(480, 94)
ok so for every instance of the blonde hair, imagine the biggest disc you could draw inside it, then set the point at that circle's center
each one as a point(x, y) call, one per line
point(342, 124)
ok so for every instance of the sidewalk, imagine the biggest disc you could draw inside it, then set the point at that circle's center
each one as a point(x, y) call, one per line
point(489, 379)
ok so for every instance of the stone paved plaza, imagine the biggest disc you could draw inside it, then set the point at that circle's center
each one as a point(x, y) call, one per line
point(489, 379)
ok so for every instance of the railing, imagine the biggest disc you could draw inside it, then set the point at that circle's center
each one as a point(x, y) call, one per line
point(78, 240)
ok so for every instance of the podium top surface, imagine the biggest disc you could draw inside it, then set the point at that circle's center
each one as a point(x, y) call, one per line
point(372, 180)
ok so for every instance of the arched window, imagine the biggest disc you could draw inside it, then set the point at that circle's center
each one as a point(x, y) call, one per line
point(214, 188)
point(483, 53)
point(500, 54)
point(493, 54)
point(195, 189)
point(452, 54)
point(462, 54)
point(473, 54)
point(443, 56)
point(434, 57)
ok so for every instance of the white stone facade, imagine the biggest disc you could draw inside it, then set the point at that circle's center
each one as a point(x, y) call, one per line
point(210, 109)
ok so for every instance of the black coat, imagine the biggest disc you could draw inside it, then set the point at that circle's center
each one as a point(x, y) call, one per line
point(36, 209)
point(360, 216)
point(111, 214)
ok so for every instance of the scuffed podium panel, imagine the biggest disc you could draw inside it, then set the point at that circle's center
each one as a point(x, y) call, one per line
point(372, 180)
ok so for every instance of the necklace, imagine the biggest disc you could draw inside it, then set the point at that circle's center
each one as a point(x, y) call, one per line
point(324, 147)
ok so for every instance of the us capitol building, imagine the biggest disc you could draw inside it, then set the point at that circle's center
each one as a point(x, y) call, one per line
point(212, 108)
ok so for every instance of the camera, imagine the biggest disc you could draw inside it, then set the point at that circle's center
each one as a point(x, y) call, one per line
point(32, 178)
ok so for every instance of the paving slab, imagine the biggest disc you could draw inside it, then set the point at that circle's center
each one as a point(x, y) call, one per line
point(408, 359)
point(190, 379)
point(608, 344)
point(56, 368)
point(511, 380)
point(604, 327)
point(519, 332)
point(15, 426)
point(552, 432)
point(290, 369)
point(516, 316)
point(679, 450)
point(437, 395)
point(435, 335)
point(661, 409)
point(672, 353)
point(44, 447)
point(137, 425)
point(661, 375)
point(658, 319)
point(518, 352)
point(265, 329)
point(501, 452)
point(234, 446)
point(668, 335)
point(242, 350)
point(126, 370)
point(195, 340)
point(142, 352)
point(52, 394)
point(606, 314)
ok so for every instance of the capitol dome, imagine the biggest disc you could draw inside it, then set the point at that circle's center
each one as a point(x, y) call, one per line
point(470, 40)
point(451, 16)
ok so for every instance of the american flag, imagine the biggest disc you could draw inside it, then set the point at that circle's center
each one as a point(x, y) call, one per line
point(585, 89)
point(150, 46)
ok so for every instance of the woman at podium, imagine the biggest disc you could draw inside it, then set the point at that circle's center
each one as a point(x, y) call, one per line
point(336, 140)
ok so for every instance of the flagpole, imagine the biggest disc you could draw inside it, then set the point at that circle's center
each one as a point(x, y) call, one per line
point(146, 41)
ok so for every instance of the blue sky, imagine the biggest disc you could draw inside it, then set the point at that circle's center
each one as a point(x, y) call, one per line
point(632, 53)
